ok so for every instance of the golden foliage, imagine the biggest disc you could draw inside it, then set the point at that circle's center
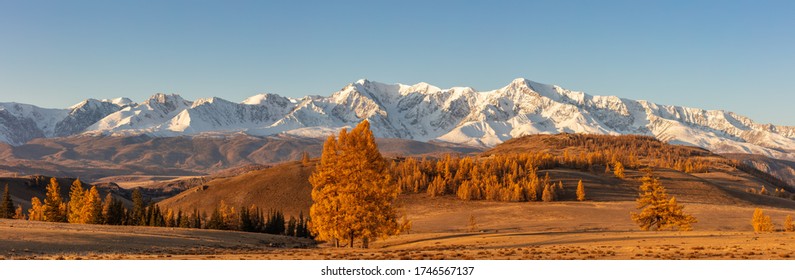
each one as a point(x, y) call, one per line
point(19, 214)
point(761, 222)
point(92, 208)
point(618, 170)
point(76, 202)
point(36, 211)
point(657, 211)
point(54, 209)
point(548, 194)
point(85, 207)
point(353, 192)
point(789, 226)
point(580, 191)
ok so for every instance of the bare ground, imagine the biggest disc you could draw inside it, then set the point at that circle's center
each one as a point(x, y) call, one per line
point(562, 230)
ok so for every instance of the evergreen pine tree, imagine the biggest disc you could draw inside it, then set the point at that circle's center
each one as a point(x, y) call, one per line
point(183, 219)
point(275, 223)
point(138, 212)
point(291, 225)
point(7, 206)
point(216, 220)
point(245, 220)
point(300, 230)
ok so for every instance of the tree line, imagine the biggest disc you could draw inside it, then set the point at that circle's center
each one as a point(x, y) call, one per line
point(86, 207)
point(520, 176)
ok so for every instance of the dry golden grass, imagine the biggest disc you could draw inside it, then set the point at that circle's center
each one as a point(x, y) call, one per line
point(283, 187)
point(598, 228)
point(557, 230)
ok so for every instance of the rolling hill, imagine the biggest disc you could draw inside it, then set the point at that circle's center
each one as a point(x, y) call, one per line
point(286, 186)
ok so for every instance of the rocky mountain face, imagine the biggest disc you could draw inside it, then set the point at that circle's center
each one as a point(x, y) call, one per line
point(420, 112)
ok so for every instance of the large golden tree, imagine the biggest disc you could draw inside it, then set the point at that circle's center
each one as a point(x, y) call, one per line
point(657, 211)
point(353, 193)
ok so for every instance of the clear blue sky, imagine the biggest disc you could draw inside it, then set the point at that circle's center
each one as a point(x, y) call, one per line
point(733, 55)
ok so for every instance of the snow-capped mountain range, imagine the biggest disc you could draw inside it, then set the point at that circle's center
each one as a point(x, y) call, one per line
point(420, 112)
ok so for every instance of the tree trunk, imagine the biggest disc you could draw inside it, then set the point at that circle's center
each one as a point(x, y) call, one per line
point(352, 239)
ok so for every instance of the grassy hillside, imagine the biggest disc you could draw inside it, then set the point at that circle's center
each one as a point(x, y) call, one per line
point(286, 187)
point(283, 187)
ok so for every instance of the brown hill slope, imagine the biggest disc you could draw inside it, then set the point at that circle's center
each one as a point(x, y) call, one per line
point(286, 186)
point(283, 187)
point(724, 181)
point(781, 169)
point(95, 157)
point(23, 189)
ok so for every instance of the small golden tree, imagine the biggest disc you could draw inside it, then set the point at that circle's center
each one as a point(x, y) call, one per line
point(761, 222)
point(19, 214)
point(619, 170)
point(789, 226)
point(580, 191)
point(549, 193)
point(657, 211)
point(36, 211)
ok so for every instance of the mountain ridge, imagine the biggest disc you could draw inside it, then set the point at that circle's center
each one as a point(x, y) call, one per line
point(421, 112)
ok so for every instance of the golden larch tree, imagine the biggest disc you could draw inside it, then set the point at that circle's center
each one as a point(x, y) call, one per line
point(549, 193)
point(353, 192)
point(657, 210)
point(19, 214)
point(789, 226)
point(580, 191)
point(36, 211)
point(761, 222)
point(54, 208)
point(92, 207)
point(618, 170)
point(76, 203)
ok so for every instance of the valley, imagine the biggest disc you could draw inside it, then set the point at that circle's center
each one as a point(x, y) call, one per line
point(721, 197)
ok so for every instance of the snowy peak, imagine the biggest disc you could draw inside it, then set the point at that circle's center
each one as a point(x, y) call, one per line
point(267, 98)
point(421, 87)
point(420, 111)
point(121, 101)
point(169, 100)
